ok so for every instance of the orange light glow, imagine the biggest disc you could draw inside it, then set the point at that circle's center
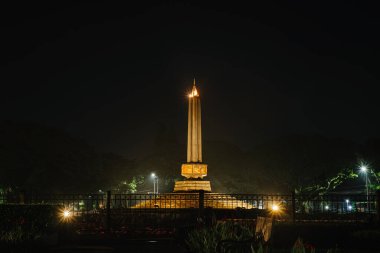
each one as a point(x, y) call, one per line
point(194, 93)
point(65, 215)
point(276, 209)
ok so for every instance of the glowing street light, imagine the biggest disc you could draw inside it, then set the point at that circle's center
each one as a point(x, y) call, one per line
point(66, 215)
point(347, 203)
point(364, 170)
point(327, 207)
point(155, 183)
point(275, 208)
point(349, 207)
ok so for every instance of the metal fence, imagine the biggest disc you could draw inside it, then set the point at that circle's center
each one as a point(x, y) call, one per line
point(289, 207)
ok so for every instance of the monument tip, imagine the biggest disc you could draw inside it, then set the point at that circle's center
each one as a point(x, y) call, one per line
point(194, 92)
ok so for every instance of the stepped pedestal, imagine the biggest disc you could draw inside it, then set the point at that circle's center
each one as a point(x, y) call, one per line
point(192, 185)
point(193, 172)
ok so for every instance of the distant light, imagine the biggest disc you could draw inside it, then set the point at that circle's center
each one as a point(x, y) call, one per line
point(327, 207)
point(363, 169)
point(347, 201)
point(153, 175)
point(350, 207)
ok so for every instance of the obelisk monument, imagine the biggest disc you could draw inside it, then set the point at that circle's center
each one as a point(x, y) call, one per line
point(194, 170)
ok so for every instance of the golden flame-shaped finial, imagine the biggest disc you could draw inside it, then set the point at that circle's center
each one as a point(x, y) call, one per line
point(194, 92)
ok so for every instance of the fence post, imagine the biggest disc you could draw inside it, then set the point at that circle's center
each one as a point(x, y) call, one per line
point(108, 211)
point(21, 196)
point(201, 200)
point(378, 206)
point(294, 206)
point(202, 218)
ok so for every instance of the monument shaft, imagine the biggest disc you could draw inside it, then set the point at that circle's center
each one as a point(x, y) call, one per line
point(194, 135)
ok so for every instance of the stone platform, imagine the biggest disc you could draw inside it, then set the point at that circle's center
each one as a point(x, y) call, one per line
point(191, 200)
point(192, 186)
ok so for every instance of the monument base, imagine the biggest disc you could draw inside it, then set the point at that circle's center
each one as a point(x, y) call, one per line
point(192, 185)
point(194, 170)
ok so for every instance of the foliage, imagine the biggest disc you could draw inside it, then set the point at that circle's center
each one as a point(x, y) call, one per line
point(327, 185)
point(330, 184)
point(375, 184)
point(39, 158)
point(2, 195)
point(206, 239)
point(334, 250)
point(301, 247)
point(21, 223)
point(369, 234)
point(130, 186)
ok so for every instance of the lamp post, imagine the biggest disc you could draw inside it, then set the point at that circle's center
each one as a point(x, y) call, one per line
point(364, 170)
point(156, 178)
point(155, 183)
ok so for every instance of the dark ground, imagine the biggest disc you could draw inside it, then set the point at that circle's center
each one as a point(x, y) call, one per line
point(346, 237)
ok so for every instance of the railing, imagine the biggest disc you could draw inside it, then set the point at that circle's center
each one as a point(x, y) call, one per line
point(291, 207)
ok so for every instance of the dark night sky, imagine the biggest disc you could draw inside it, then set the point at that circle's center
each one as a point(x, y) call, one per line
point(111, 74)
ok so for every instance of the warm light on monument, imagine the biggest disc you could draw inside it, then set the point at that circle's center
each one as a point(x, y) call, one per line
point(193, 170)
point(194, 92)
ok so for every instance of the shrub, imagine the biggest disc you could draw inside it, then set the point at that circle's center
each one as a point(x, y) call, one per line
point(301, 247)
point(21, 223)
point(205, 240)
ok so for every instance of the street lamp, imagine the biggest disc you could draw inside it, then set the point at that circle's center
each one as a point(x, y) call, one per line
point(66, 215)
point(364, 170)
point(155, 183)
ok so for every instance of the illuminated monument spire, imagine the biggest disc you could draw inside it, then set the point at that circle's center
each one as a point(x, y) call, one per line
point(194, 170)
point(194, 128)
